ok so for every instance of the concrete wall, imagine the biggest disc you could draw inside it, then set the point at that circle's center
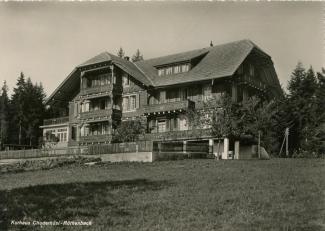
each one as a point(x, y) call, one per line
point(128, 157)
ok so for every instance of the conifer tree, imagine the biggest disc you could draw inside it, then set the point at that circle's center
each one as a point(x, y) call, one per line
point(4, 115)
point(120, 52)
point(137, 56)
point(18, 116)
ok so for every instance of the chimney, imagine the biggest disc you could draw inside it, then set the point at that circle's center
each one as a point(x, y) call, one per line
point(211, 44)
point(127, 58)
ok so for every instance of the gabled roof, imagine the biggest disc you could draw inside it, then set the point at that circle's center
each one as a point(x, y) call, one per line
point(124, 64)
point(70, 83)
point(213, 62)
point(219, 61)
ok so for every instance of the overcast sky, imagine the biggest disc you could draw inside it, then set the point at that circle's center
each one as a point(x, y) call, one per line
point(47, 40)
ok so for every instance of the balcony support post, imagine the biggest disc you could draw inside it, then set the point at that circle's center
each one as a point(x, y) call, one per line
point(236, 157)
point(184, 146)
point(211, 143)
point(225, 149)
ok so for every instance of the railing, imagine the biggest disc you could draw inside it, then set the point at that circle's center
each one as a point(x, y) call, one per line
point(246, 79)
point(59, 120)
point(99, 89)
point(181, 147)
point(178, 135)
point(95, 138)
point(169, 106)
point(37, 153)
point(98, 113)
point(140, 146)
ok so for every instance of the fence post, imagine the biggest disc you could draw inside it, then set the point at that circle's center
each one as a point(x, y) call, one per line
point(184, 146)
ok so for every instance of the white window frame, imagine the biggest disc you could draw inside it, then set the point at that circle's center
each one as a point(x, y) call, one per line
point(162, 124)
point(169, 70)
point(128, 107)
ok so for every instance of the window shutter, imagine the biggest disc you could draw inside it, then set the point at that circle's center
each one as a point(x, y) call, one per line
point(137, 101)
point(167, 125)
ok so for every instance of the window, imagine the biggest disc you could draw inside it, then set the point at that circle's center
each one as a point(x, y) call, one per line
point(62, 134)
point(169, 70)
point(161, 126)
point(126, 80)
point(177, 69)
point(183, 124)
point(185, 67)
point(161, 71)
point(173, 69)
point(207, 92)
point(129, 103)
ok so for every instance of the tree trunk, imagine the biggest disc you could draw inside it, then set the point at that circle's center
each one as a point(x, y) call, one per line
point(19, 136)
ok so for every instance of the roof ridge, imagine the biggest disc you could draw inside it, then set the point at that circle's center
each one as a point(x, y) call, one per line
point(198, 49)
point(143, 73)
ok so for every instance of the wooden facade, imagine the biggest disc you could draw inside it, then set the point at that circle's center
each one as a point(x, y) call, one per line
point(107, 90)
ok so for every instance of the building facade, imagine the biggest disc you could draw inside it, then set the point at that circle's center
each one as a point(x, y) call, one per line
point(106, 90)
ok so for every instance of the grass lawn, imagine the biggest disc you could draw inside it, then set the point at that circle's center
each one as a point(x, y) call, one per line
point(279, 194)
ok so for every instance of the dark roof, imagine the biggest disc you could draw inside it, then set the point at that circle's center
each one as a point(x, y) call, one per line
point(124, 64)
point(219, 61)
point(215, 62)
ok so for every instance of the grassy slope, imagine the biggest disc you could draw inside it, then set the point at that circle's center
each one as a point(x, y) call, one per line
point(181, 195)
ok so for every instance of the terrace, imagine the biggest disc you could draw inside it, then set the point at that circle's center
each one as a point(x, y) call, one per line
point(102, 89)
point(178, 135)
point(56, 121)
point(98, 114)
point(169, 107)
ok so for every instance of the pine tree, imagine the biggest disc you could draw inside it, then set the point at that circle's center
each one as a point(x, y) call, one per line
point(4, 115)
point(301, 105)
point(120, 52)
point(137, 56)
point(18, 116)
point(34, 95)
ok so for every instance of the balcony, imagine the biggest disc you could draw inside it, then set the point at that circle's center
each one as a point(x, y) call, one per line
point(95, 138)
point(99, 114)
point(168, 107)
point(99, 90)
point(55, 121)
point(253, 82)
point(178, 135)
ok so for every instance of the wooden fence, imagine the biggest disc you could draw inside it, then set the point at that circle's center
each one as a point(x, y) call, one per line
point(181, 147)
point(140, 146)
point(36, 153)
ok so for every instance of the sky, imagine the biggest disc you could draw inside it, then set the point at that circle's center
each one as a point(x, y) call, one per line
point(46, 40)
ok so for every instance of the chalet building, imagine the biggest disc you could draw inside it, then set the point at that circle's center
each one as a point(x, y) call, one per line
point(105, 90)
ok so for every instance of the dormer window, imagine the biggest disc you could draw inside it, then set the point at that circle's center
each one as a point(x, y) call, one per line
point(185, 67)
point(173, 69)
point(169, 70)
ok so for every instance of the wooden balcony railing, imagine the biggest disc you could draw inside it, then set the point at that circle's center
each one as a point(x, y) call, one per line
point(178, 135)
point(99, 89)
point(169, 106)
point(246, 79)
point(98, 114)
point(59, 120)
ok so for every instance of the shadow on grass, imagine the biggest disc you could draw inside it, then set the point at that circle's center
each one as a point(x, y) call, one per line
point(71, 201)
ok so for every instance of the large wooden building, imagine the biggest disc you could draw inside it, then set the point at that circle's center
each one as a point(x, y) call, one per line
point(105, 90)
